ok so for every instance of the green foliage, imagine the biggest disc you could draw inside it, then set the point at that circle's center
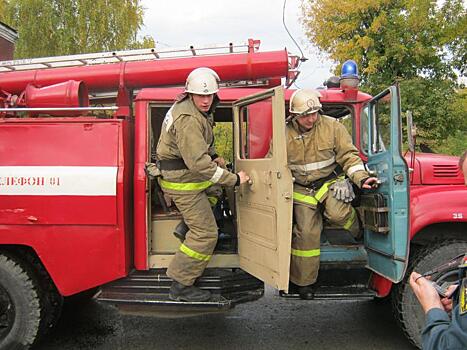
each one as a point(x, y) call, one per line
point(418, 43)
point(390, 39)
point(436, 107)
point(456, 141)
point(223, 136)
point(454, 145)
point(63, 27)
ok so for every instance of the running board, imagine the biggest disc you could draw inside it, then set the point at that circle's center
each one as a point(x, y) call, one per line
point(336, 293)
point(146, 292)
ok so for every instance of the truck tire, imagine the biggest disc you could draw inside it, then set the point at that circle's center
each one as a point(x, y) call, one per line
point(19, 306)
point(407, 310)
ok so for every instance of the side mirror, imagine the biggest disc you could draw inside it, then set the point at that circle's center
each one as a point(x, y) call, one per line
point(411, 131)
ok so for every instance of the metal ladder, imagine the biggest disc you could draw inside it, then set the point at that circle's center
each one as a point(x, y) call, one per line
point(125, 56)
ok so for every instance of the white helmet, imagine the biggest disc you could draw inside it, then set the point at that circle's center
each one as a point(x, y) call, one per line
point(202, 81)
point(304, 101)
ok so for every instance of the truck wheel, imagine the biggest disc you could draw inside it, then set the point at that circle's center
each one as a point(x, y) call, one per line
point(19, 306)
point(407, 310)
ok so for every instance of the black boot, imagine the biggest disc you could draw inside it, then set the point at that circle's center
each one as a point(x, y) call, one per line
point(293, 289)
point(306, 292)
point(179, 292)
point(180, 231)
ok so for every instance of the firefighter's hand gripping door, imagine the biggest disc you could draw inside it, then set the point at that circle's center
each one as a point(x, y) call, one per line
point(264, 205)
point(386, 209)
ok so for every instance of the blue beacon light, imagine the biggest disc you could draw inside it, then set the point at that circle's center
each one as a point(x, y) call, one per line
point(349, 75)
point(349, 69)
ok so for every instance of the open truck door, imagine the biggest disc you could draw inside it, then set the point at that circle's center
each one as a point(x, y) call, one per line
point(264, 205)
point(385, 210)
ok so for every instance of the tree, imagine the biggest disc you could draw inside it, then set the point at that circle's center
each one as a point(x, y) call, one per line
point(223, 136)
point(415, 42)
point(62, 27)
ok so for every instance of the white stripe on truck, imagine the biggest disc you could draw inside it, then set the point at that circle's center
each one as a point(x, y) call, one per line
point(58, 181)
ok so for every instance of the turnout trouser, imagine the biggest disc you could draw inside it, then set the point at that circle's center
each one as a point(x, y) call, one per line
point(195, 252)
point(306, 232)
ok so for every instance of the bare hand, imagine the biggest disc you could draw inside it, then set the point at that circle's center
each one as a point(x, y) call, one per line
point(243, 177)
point(425, 292)
point(447, 302)
point(371, 182)
point(220, 162)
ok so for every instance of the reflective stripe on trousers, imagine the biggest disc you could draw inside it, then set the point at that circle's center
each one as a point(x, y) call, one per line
point(306, 253)
point(351, 220)
point(193, 254)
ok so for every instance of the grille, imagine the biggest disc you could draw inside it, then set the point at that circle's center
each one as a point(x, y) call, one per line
point(445, 170)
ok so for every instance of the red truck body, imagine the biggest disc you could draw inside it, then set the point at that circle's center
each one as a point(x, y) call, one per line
point(74, 228)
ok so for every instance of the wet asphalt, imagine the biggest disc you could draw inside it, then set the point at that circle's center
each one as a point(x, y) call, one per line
point(270, 323)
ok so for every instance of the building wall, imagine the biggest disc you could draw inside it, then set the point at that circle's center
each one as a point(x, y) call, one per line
point(8, 37)
point(7, 49)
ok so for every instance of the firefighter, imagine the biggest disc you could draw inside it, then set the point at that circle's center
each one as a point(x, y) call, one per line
point(323, 162)
point(188, 168)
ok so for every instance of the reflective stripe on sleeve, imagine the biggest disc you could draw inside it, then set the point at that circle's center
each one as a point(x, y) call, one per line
point(213, 201)
point(351, 220)
point(185, 186)
point(355, 168)
point(313, 166)
point(217, 175)
point(192, 254)
point(306, 253)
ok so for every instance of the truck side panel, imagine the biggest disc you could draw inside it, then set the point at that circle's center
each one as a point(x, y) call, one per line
point(62, 193)
point(437, 204)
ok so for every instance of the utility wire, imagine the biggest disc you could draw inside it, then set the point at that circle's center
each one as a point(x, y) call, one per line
point(303, 58)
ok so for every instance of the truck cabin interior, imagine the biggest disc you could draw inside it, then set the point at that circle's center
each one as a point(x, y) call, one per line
point(165, 216)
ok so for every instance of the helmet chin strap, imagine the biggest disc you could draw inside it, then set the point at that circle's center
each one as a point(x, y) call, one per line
point(293, 117)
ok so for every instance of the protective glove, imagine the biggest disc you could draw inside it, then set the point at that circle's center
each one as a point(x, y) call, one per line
point(151, 170)
point(342, 190)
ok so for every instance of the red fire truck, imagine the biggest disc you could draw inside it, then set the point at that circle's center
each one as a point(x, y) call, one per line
point(77, 211)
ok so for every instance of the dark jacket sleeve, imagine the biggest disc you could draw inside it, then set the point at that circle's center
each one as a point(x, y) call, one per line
point(441, 333)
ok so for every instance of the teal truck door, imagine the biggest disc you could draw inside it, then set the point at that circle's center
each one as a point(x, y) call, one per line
point(385, 210)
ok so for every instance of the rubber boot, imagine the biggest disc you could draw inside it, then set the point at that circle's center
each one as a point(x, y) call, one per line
point(179, 292)
point(293, 289)
point(180, 231)
point(306, 292)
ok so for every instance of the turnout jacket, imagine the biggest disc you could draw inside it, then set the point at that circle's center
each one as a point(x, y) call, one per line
point(187, 134)
point(315, 154)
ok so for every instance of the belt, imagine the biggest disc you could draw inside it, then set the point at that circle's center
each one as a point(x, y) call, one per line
point(171, 164)
point(316, 185)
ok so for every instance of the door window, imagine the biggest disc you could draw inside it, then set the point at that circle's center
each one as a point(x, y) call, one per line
point(256, 129)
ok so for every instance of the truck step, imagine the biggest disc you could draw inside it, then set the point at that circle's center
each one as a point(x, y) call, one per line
point(336, 293)
point(146, 292)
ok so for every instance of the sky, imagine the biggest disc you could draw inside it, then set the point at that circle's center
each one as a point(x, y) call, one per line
point(181, 23)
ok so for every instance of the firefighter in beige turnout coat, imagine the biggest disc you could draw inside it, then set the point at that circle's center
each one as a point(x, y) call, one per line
point(320, 153)
point(189, 169)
